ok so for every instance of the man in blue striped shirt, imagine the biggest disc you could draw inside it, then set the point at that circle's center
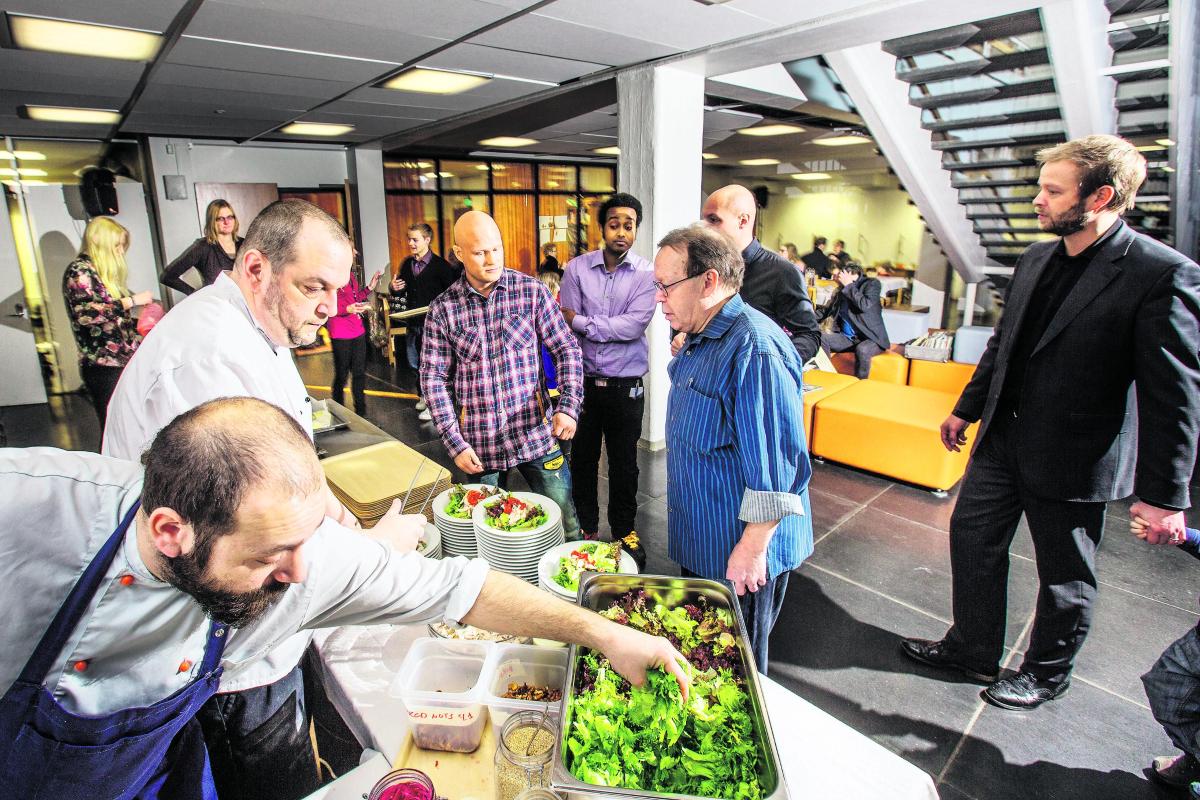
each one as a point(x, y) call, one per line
point(737, 461)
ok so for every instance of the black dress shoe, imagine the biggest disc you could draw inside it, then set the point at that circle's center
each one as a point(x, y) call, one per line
point(1023, 691)
point(941, 654)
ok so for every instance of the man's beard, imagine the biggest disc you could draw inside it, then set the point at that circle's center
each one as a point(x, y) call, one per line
point(1071, 221)
point(236, 609)
point(274, 303)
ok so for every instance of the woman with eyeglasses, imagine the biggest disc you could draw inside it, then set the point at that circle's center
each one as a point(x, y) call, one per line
point(100, 306)
point(212, 253)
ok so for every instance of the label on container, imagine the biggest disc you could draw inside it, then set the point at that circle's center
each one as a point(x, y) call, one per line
point(440, 715)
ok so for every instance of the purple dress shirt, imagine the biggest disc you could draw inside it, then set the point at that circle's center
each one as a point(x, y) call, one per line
point(612, 310)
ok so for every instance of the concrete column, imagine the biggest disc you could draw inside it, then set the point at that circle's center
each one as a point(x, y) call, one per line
point(364, 165)
point(660, 133)
point(1185, 113)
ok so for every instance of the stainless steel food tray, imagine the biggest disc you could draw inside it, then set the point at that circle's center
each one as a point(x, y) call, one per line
point(597, 592)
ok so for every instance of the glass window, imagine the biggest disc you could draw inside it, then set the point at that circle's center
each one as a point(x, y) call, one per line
point(407, 175)
point(463, 176)
point(514, 215)
point(554, 238)
point(454, 206)
point(593, 234)
point(597, 179)
point(556, 178)
point(404, 210)
point(512, 176)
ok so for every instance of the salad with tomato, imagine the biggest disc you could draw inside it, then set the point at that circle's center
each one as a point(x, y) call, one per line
point(462, 500)
point(588, 557)
point(513, 514)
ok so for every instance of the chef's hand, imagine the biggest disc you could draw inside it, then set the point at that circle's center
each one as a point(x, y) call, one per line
point(747, 566)
point(632, 652)
point(1163, 526)
point(954, 433)
point(568, 315)
point(468, 462)
point(677, 343)
point(563, 426)
point(398, 285)
point(398, 530)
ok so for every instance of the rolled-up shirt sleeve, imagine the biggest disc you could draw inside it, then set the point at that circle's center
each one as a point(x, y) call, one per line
point(356, 580)
point(768, 422)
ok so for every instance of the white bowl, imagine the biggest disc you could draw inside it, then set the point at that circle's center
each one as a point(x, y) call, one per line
point(439, 506)
point(485, 531)
point(548, 565)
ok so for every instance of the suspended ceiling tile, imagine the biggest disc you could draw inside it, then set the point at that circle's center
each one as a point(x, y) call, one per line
point(10, 100)
point(365, 126)
point(268, 62)
point(790, 12)
point(586, 123)
point(168, 104)
point(155, 16)
point(451, 19)
point(493, 60)
point(682, 24)
point(119, 73)
point(535, 33)
point(221, 80)
point(357, 108)
point(489, 94)
point(209, 100)
point(175, 125)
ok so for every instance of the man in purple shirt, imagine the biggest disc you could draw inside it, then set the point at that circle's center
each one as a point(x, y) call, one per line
point(607, 298)
point(481, 370)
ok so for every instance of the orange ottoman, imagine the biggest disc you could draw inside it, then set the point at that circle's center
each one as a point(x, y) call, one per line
point(948, 376)
point(829, 382)
point(891, 430)
point(889, 366)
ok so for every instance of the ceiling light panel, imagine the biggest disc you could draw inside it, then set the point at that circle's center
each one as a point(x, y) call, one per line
point(425, 80)
point(21, 155)
point(507, 141)
point(842, 141)
point(80, 116)
point(811, 176)
point(758, 162)
point(709, 156)
point(82, 38)
point(316, 129)
point(607, 151)
point(771, 130)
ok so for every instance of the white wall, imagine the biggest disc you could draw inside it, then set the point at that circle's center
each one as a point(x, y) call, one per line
point(57, 237)
point(20, 369)
point(211, 162)
point(876, 224)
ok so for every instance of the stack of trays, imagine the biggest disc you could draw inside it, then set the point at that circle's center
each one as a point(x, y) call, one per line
point(518, 552)
point(367, 480)
point(458, 535)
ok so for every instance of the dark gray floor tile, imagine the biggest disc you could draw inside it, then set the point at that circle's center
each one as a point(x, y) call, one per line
point(1162, 573)
point(911, 562)
point(66, 421)
point(828, 511)
point(918, 505)
point(1086, 746)
point(652, 530)
point(846, 483)
point(653, 467)
point(837, 646)
point(947, 791)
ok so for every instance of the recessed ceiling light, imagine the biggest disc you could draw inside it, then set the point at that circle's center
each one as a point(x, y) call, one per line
point(407, 164)
point(758, 162)
point(428, 80)
point(82, 38)
point(507, 141)
point(22, 182)
point(22, 155)
point(482, 167)
point(771, 130)
point(607, 151)
point(811, 176)
point(552, 184)
point(82, 116)
point(1165, 142)
point(27, 172)
point(1151, 148)
point(316, 129)
point(709, 156)
point(842, 141)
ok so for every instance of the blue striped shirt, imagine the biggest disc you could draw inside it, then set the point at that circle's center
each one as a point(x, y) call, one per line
point(735, 444)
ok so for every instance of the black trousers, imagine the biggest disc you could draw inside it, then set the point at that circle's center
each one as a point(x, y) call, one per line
point(864, 351)
point(350, 358)
point(610, 416)
point(1065, 537)
point(101, 382)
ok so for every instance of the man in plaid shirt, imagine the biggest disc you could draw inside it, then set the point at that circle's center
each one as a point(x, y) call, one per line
point(481, 370)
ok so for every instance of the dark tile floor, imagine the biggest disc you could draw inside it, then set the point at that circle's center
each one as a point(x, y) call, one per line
point(881, 572)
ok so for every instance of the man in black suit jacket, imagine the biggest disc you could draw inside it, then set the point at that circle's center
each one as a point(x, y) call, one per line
point(858, 319)
point(816, 259)
point(422, 276)
point(1088, 391)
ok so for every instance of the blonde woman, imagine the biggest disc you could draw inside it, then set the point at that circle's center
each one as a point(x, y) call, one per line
point(212, 253)
point(100, 304)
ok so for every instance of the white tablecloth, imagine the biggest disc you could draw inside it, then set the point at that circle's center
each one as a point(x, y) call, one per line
point(821, 756)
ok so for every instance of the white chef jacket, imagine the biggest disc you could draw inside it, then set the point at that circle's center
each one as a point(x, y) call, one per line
point(143, 641)
point(209, 346)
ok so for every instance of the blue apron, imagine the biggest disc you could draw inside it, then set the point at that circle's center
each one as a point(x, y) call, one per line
point(153, 752)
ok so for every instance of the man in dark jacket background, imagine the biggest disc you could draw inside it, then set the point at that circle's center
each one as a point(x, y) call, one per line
point(772, 284)
point(858, 319)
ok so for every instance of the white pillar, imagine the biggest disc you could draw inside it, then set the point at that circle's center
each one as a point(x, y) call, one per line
point(365, 167)
point(660, 133)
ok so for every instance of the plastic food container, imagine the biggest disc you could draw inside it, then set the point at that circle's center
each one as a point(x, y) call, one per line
point(439, 685)
point(522, 663)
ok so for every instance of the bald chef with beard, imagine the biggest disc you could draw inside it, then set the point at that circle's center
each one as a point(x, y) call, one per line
point(131, 593)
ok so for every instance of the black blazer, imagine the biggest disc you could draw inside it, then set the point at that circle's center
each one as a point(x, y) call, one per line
point(1111, 400)
point(433, 280)
point(861, 301)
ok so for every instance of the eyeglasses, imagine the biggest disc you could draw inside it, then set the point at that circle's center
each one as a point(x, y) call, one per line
point(664, 288)
point(226, 218)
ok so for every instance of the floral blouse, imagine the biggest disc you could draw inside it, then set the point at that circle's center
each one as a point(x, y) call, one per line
point(104, 331)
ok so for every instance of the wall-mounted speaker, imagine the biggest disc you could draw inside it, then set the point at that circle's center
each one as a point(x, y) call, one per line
point(99, 191)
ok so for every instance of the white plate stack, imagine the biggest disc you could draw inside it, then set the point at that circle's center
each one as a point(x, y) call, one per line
point(518, 552)
point(458, 535)
point(548, 566)
point(430, 545)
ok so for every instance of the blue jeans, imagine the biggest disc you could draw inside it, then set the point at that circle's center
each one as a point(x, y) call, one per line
point(549, 475)
point(1173, 688)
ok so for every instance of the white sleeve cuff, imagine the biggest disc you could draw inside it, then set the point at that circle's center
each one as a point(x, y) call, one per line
point(769, 506)
point(470, 584)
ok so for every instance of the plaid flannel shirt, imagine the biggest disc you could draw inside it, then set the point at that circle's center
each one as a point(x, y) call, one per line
point(481, 369)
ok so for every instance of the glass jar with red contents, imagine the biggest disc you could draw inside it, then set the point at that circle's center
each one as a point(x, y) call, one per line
point(403, 784)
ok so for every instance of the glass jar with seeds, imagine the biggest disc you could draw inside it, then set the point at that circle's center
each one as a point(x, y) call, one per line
point(523, 751)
